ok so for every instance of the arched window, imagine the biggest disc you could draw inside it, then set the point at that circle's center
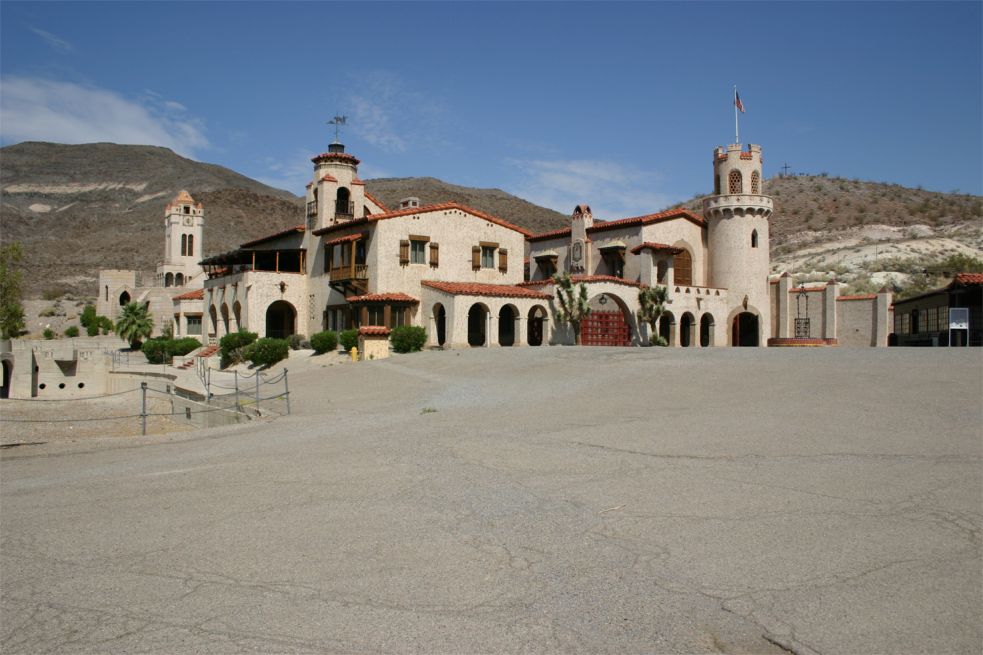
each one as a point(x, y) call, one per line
point(184, 245)
point(343, 204)
point(755, 182)
point(735, 183)
point(191, 245)
point(754, 239)
point(682, 265)
point(169, 280)
point(179, 280)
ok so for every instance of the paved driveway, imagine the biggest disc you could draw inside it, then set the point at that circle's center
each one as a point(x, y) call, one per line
point(525, 500)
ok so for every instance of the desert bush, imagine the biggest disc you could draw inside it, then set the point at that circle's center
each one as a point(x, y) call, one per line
point(267, 352)
point(231, 346)
point(53, 293)
point(324, 342)
point(408, 338)
point(296, 341)
point(48, 333)
point(348, 339)
point(162, 350)
point(54, 310)
point(72, 331)
point(88, 316)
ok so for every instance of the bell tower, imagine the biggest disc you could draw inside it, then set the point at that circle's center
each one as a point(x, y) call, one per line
point(737, 231)
point(184, 225)
point(335, 195)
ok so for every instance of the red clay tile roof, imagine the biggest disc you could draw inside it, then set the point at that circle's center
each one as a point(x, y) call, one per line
point(479, 289)
point(374, 330)
point(966, 279)
point(383, 297)
point(864, 296)
point(358, 182)
point(344, 239)
point(282, 233)
point(577, 279)
point(648, 245)
point(746, 155)
point(329, 178)
point(424, 210)
point(341, 156)
point(648, 219)
point(376, 201)
point(197, 294)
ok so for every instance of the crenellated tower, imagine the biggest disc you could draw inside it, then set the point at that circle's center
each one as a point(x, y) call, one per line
point(335, 195)
point(737, 230)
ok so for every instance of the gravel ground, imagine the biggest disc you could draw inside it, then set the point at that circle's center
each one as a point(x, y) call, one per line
point(567, 500)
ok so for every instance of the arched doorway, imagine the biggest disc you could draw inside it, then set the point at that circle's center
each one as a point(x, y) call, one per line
point(607, 323)
point(686, 330)
point(124, 299)
point(225, 317)
point(237, 314)
point(506, 325)
point(477, 324)
point(744, 331)
point(169, 280)
point(212, 321)
point(8, 372)
point(280, 319)
point(667, 327)
point(537, 323)
point(178, 280)
point(706, 330)
point(440, 323)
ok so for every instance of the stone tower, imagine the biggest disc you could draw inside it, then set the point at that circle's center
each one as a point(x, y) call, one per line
point(184, 224)
point(336, 194)
point(737, 232)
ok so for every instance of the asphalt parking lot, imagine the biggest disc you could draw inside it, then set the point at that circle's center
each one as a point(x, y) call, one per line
point(561, 499)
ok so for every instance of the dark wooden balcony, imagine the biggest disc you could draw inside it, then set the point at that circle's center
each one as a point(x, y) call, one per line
point(349, 273)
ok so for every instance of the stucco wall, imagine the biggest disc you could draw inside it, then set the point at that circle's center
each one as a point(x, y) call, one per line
point(856, 322)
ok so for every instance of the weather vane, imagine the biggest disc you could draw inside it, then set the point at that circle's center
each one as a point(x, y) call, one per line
point(338, 121)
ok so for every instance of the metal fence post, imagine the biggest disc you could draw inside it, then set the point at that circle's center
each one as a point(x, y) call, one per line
point(257, 393)
point(143, 408)
point(286, 390)
point(208, 385)
point(237, 389)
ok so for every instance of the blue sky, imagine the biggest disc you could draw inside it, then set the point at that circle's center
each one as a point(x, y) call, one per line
point(615, 104)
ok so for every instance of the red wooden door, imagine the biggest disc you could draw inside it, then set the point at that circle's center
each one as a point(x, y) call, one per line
point(605, 329)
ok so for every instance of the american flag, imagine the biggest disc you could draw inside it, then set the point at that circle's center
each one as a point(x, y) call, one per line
point(737, 101)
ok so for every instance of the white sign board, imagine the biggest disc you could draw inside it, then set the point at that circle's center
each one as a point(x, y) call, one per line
point(958, 318)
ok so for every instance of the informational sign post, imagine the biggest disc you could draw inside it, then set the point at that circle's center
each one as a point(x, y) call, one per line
point(959, 320)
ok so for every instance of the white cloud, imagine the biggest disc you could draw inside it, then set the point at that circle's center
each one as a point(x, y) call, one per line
point(65, 112)
point(392, 116)
point(292, 176)
point(612, 190)
point(59, 44)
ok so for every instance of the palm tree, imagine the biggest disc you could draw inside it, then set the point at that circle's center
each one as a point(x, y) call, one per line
point(134, 324)
point(574, 307)
point(652, 302)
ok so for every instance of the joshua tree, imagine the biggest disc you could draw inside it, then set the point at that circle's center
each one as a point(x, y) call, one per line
point(652, 302)
point(134, 324)
point(574, 307)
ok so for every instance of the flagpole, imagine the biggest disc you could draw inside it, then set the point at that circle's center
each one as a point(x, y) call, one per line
point(737, 132)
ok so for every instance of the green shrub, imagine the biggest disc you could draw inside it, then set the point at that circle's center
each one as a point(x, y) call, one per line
point(231, 346)
point(324, 342)
point(659, 340)
point(54, 310)
point(88, 316)
point(92, 329)
point(296, 341)
point(267, 352)
point(154, 350)
point(49, 333)
point(348, 339)
point(181, 347)
point(72, 331)
point(105, 324)
point(408, 338)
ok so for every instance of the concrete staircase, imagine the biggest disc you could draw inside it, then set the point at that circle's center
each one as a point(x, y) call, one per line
point(205, 352)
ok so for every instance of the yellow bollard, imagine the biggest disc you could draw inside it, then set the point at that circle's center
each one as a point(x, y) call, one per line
point(354, 353)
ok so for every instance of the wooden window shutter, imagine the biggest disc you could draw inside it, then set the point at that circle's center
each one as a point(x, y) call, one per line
point(404, 251)
point(476, 257)
point(434, 255)
point(503, 260)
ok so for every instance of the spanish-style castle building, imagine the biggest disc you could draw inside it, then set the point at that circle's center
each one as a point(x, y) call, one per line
point(463, 274)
